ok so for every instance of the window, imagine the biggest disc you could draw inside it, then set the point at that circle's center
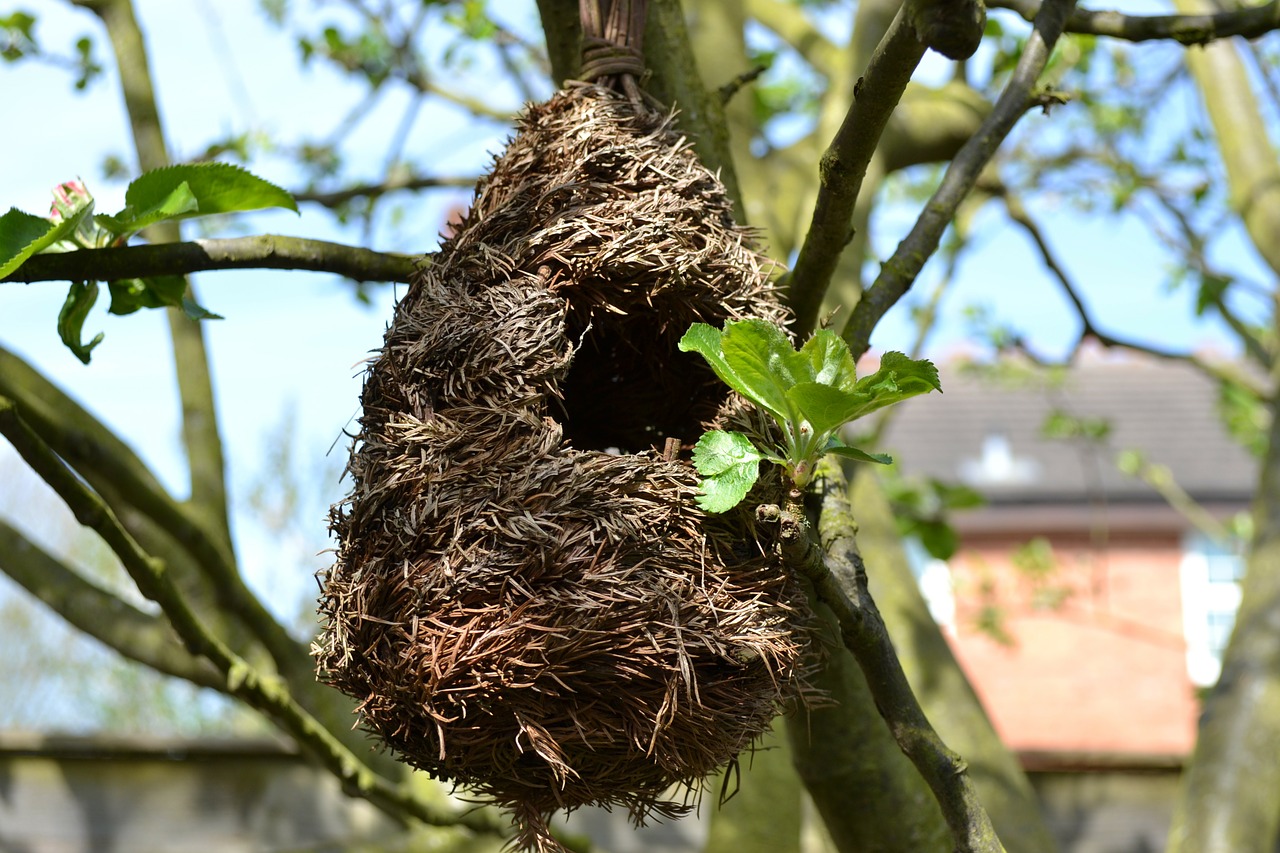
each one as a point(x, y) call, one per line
point(934, 578)
point(1211, 573)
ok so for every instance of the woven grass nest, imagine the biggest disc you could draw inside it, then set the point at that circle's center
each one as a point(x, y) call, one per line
point(526, 599)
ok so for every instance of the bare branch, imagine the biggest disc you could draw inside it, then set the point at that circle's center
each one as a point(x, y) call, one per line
point(1249, 22)
point(267, 694)
point(1089, 329)
point(88, 607)
point(410, 183)
point(844, 165)
point(900, 271)
point(728, 90)
point(266, 251)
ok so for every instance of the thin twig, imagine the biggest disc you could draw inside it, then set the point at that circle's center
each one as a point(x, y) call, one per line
point(728, 90)
point(1250, 22)
point(266, 251)
point(265, 693)
point(409, 183)
point(1089, 328)
point(839, 576)
point(900, 271)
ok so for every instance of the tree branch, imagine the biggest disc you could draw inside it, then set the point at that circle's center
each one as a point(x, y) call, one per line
point(268, 695)
point(844, 165)
point(89, 608)
point(1249, 22)
point(900, 271)
point(411, 183)
point(839, 576)
point(1089, 329)
point(111, 467)
point(200, 434)
point(266, 251)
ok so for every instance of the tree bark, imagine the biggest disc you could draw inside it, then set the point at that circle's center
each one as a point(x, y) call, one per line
point(937, 680)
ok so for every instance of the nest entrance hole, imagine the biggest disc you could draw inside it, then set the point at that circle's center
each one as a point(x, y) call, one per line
point(629, 387)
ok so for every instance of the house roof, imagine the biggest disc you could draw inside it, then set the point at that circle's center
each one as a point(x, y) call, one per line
point(987, 430)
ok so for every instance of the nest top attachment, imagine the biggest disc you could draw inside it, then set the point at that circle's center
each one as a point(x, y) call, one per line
point(526, 599)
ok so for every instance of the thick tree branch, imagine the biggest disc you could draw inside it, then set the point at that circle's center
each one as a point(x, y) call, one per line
point(266, 251)
point(844, 165)
point(267, 694)
point(839, 577)
point(1227, 801)
point(900, 271)
point(1249, 22)
point(89, 608)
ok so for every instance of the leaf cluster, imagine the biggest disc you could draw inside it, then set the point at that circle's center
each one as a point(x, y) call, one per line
point(162, 195)
point(811, 393)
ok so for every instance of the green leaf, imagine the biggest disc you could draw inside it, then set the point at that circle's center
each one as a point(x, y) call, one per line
point(765, 363)
point(729, 464)
point(938, 538)
point(829, 360)
point(705, 340)
point(196, 189)
point(824, 407)
point(23, 235)
point(860, 455)
point(75, 309)
point(180, 202)
point(128, 295)
point(196, 311)
point(898, 378)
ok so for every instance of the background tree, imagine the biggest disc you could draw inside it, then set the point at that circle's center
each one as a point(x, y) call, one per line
point(809, 112)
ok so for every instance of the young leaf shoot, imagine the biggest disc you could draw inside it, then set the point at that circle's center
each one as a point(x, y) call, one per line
point(811, 393)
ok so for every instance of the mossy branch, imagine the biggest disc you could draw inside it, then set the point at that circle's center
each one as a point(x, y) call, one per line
point(110, 466)
point(835, 568)
point(1249, 22)
point(267, 694)
point(900, 271)
point(99, 613)
point(844, 165)
point(267, 251)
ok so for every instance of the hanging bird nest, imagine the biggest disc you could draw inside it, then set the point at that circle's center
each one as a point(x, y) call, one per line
point(526, 599)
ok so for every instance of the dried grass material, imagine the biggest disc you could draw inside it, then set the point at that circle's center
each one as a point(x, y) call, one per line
point(518, 611)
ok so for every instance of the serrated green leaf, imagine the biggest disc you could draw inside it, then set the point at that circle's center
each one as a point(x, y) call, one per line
point(194, 189)
point(829, 360)
point(729, 464)
point(765, 364)
point(705, 341)
point(180, 203)
point(899, 378)
point(23, 234)
point(128, 295)
point(80, 300)
point(861, 455)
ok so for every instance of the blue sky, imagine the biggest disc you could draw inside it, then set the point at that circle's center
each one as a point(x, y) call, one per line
point(295, 341)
